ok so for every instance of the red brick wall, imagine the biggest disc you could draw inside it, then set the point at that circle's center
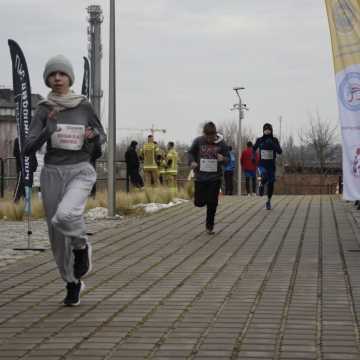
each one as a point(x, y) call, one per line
point(297, 184)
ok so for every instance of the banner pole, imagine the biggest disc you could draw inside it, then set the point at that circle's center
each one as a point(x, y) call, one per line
point(23, 108)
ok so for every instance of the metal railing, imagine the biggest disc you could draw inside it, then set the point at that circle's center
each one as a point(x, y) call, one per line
point(7, 175)
point(2, 176)
point(8, 178)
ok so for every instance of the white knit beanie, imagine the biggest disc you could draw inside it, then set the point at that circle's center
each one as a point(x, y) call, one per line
point(59, 63)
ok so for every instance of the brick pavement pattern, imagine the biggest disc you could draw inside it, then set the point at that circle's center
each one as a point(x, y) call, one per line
point(279, 284)
point(13, 235)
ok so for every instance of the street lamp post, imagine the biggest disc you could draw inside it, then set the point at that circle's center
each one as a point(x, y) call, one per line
point(112, 116)
point(240, 108)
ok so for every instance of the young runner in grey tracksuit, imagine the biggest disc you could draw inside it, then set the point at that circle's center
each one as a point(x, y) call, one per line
point(67, 123)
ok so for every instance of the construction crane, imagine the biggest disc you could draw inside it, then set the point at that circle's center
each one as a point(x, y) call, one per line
point(152, 130)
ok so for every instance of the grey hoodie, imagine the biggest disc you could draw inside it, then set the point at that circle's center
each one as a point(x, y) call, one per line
point(42, 130)
point(205, 155)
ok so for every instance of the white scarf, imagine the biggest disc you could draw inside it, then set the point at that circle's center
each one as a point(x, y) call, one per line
point(63, 102)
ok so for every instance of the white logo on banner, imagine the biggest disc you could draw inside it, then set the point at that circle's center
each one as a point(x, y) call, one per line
point(349, 91)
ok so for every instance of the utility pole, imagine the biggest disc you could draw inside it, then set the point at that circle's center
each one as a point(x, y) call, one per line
point(112, 116)
point(281, 163)
point(95, 54)
point(240, 107)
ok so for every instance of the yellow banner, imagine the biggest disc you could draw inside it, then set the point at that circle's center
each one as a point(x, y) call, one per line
point(344, 23)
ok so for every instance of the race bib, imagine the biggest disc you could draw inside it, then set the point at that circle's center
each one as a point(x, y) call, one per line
point(68, 137)
point(267, 154)
point(208, 165)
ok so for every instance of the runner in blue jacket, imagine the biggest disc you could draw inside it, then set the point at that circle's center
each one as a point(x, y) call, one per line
point(229, 169)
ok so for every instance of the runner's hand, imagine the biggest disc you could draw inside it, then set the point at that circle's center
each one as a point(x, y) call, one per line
point(220, 157)
point(193, 165)
point(51, 124)
point(52, 114)
point(89, 133)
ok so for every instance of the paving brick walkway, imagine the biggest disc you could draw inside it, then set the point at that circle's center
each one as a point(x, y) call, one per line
point(280, 284)
point(13, 236)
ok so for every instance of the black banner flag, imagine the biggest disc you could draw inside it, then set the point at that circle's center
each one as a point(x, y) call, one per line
point(22, 97)
point(85, 90)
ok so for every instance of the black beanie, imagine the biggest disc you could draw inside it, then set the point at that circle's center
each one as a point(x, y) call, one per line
point(267, 126)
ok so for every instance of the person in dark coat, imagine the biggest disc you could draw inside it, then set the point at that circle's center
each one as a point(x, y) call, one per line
point(133, 165)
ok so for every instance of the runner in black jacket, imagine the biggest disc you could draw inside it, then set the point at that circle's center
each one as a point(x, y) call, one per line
point(207, 154)
point(133, 165)
point(268, 146)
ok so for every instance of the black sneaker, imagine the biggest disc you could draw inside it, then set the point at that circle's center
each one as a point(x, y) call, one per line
point(82, 261)
point(210, 230)
point(268, 205)
point(261, 189)
point(73, 293)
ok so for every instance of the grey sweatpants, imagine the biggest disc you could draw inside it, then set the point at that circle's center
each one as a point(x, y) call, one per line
point(65, 189)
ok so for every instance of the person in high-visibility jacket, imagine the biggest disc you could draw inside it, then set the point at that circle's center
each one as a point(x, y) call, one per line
point(171, 165)
point(149, 154)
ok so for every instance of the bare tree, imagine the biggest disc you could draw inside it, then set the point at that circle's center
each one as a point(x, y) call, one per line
point(290, 152)
point(321, 138)
point(229, 130)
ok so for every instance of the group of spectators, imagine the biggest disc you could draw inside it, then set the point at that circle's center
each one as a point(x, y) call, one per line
point(249, 163)
point(159, 166)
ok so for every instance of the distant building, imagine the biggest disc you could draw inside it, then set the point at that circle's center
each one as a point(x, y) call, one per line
point(8, 130)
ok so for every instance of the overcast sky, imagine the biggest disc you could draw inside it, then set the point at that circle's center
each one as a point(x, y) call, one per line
point(178, 60)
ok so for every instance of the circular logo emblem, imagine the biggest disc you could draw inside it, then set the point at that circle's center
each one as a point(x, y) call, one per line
point(344, 16)
point(349, 91)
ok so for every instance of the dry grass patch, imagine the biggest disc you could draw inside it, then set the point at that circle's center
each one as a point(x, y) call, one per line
point(125, 202)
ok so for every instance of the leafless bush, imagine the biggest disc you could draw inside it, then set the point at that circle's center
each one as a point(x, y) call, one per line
point(320, 136)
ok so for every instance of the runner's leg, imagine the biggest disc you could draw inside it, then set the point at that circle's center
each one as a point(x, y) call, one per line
point(247, 184)
point(213, 189)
